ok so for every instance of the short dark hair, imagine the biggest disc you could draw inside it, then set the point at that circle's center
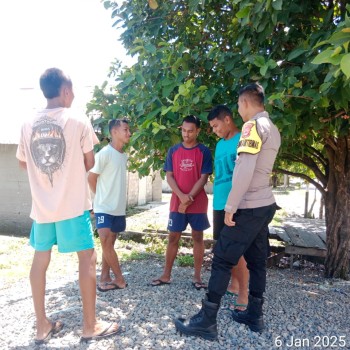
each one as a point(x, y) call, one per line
point(219, 112)
point(255, 91)
point(115, 123)
point(192, 119)
point(51, 82)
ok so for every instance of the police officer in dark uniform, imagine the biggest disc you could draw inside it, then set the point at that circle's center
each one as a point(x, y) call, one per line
point(249, 209)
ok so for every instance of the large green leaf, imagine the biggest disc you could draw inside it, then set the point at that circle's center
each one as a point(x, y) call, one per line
point(339, 38)
point(277, 4)
point(259, 61)
point(345, 65)
point(244, 12)
point(324, 57)
point(296, 53)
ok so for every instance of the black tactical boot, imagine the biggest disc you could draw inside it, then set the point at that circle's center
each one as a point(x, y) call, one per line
point(252, 316)
point(202, 324)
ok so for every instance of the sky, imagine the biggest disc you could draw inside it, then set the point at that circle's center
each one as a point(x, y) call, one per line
point(74, 35)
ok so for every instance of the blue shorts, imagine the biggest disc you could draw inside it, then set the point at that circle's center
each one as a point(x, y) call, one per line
point(179, 221)
point(71, 235)
point(115, 223)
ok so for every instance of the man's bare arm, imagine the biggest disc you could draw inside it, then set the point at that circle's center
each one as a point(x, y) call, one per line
point(199, 185)
point(92, 179)
point(89, 160)
point(184, 199)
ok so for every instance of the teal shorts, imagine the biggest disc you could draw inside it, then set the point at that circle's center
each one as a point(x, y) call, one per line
point(71, 235)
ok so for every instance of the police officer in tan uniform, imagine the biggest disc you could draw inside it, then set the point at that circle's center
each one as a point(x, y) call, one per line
point(249, 209)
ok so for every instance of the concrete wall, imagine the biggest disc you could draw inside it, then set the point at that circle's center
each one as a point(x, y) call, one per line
point(157, 187)
point(144, 190)
point(133, 189)
point(16, 199)
point(14, 193)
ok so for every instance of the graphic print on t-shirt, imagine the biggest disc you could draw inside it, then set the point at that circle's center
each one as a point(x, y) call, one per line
point(186, 164)
point(47, 146)
point(224, 168)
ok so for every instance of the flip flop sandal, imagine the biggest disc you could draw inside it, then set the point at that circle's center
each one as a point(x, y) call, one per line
point(114, 287)
point(56, 328)
point(238, 307)
point(107, 332)
point(199, 285)
point(158, 282)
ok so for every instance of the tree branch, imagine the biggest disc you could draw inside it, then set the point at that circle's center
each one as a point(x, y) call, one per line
point(309, 163)
point(331, 143)
point(302, 176)
point(324, 120)
point(292, 158)
point(303, 97)
point(317, 154)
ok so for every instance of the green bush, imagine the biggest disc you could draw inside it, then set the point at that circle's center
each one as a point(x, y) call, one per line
point(155, 245)
point(134, 255)
point(185, 260)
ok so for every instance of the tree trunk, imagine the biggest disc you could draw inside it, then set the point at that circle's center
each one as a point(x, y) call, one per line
point(306, 200)
point(310, 213)
point(274, 180)
point(320, 215)
point(337, 208)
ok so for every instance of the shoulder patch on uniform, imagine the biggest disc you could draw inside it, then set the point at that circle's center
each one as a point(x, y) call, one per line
point(250, 141)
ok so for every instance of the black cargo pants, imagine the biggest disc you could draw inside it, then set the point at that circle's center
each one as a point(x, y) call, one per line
point(249, 237)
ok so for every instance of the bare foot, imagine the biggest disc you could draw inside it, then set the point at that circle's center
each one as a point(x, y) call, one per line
point(232, 291)
point(159, 282)
point(44, 336)
point(120, 282)
point(43, 329)
point(239, 304)
point(103, 283)
point(111, 286)
point(101, 330)
point(199, 285)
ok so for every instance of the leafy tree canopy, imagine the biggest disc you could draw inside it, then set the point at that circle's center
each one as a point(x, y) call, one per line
point(198, 53)
point(194, 54)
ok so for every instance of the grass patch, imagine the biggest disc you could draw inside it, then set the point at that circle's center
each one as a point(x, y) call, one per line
point(15, 258)
point(208, 235)
point(123, 243)
point(130, 211)
point(134, 255)
point(185, 260)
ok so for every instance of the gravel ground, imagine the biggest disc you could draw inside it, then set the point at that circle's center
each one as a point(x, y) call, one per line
point(302, 309)
point(300, 306)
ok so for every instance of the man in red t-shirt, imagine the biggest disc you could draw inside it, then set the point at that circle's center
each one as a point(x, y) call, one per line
point(188, 166)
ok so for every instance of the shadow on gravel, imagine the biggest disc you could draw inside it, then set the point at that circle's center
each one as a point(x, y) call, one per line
point(16, 235)
point(63, 302)
point(297, 303)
